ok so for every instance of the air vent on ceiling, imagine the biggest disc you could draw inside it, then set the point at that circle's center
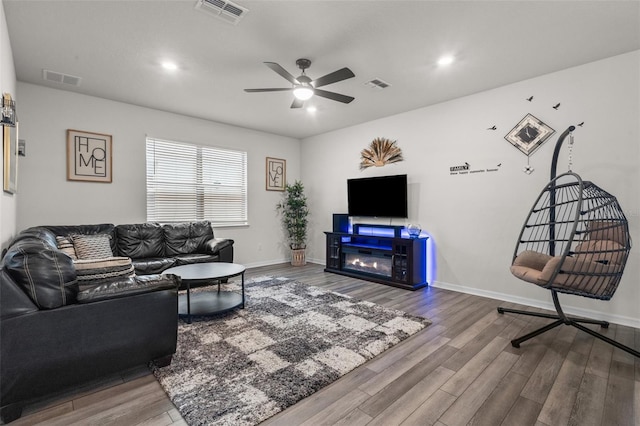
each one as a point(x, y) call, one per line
point(376, 83)
point(225, 10)
point(58, 77)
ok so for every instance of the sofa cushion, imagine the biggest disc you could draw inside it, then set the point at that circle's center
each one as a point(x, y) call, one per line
point(66, 246)
point(186, 238)
point(188, 259)
point(140, 240)
point(127, 287)
point(45, 273)
point(91, 272)
point(154, 265)
point(92, 246)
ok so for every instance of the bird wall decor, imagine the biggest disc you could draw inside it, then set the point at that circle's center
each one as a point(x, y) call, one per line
point(380, 152)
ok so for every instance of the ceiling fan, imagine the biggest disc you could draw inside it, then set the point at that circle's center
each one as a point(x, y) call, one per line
point(304, 88)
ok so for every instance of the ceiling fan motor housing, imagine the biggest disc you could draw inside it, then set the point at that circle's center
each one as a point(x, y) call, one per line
point(303, 64)
point(304, 80)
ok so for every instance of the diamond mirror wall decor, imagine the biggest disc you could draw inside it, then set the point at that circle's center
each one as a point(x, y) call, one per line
point(529, 134)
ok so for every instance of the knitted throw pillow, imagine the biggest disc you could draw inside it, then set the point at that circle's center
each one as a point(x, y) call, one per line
point(92, 246)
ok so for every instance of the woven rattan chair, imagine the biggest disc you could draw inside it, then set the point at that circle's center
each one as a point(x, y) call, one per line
point(574, 241)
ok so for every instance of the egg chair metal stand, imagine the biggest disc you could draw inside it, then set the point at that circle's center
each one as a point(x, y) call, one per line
point(576, 241)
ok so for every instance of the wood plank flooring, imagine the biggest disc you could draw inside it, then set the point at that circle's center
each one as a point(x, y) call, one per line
point(461, 370)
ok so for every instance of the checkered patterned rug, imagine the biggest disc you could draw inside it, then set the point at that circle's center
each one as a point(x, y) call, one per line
point(290, 341)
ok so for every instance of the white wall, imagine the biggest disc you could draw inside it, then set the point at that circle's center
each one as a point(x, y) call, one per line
point(8, 202)
point(46, 197)
point(474, 220)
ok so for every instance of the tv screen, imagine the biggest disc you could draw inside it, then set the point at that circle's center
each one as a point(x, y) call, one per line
point(383, 196)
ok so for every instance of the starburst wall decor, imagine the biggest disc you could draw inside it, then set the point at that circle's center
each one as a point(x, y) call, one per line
point(380, 152)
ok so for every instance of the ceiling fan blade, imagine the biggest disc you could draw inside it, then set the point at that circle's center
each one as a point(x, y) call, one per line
point(334, 77)
point(284, 73)
point(297, 103)
point(333, 96)
point(269, 90)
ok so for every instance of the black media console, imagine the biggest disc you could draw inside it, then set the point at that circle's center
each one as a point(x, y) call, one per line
point(392, 260)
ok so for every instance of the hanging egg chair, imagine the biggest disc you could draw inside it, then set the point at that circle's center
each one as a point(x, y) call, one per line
point(575, 240)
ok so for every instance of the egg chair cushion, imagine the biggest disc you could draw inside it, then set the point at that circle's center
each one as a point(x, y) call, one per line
point(601, 251)
point(528, 266)
point(582, 277)
point(594, 270)
point(607, 230)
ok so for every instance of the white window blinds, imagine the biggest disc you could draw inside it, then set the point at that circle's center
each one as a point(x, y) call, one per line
point(187, 182)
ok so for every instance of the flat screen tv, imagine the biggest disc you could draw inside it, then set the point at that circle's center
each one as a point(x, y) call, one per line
point(382, 196)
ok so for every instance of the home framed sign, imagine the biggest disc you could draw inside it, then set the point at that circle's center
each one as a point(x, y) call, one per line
point(88, 156)
point(276, 174)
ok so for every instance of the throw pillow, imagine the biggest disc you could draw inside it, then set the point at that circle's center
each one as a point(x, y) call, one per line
point(92, 272)
point(96, 246)
point(66, 246)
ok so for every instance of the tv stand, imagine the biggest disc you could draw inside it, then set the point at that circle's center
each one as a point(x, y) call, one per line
point(391, 260)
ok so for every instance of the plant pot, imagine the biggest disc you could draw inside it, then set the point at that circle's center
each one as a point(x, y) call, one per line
point(298, 257)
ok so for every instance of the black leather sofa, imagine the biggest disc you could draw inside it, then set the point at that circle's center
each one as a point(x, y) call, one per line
point(153, 247)
point(55, 335)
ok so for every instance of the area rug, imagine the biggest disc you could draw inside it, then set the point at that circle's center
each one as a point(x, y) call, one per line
point(290, 341)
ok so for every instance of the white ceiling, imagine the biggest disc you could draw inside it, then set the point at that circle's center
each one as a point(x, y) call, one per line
point(116, 48)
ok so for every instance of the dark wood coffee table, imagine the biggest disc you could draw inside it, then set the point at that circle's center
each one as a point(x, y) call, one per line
point(208, 302)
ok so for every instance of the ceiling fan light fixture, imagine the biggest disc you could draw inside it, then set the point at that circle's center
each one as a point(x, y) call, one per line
point(169, 66)
point(303, 92)
point(446, 60)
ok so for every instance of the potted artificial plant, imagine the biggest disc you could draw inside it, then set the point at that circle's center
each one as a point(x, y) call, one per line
point(293, 211)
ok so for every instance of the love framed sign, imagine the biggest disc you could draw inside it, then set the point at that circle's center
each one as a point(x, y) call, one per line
point(276, 174)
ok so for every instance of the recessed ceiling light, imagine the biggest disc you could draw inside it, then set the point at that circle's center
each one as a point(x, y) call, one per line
point(312, 109)
point(445, 60)
point(169, 66)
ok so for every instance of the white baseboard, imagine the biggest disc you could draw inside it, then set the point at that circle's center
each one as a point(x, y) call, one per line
point(278, 261)
point(571, 310)
point(568, 309)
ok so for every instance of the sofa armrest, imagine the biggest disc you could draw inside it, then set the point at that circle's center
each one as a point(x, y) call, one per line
point(222, 247)
point(129, 287)
point(43, 272)
point(13, 300)
point(214, 245)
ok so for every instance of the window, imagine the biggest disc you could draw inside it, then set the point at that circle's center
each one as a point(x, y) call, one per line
point(187, 182)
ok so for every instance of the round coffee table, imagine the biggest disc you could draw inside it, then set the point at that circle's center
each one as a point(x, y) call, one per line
point(207, 302)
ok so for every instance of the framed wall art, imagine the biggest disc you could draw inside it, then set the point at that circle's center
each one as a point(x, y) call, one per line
point(10, 155)
point(276, 174)
point(529, 134)
point(88, 156)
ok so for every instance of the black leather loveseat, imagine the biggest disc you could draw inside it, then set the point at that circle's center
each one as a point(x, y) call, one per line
point(56, 333)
